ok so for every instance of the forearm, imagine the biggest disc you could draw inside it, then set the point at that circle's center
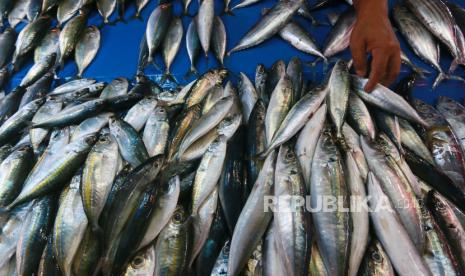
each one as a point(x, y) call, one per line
point(373, 7)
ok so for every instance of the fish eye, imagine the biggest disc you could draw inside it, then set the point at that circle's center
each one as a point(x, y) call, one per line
point(376, 257)
point(177, 217)
point(138, 262)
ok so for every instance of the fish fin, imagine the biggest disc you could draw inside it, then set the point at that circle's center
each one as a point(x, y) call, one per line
point(228, 11)
point(169, 76)
point(442, 76)
point(138, 17)
point(420, 71)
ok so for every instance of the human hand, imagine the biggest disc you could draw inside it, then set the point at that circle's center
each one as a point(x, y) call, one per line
point(373, 34)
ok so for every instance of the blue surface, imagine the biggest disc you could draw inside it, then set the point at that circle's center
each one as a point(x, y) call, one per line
point(120, 46)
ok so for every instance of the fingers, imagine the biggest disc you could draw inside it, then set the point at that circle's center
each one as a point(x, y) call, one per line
point(359, 55)
point(379, 66)
point(393, 68)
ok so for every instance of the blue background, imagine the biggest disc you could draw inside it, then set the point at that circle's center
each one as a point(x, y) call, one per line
point(120, 47)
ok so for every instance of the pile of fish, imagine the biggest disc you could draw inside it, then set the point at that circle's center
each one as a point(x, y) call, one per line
point(120, 180)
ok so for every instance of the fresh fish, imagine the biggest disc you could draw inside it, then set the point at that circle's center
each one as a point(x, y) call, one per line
point(270, 24)
point(33, 237)
point(397, 189)
point(91, 125)
point(389, 124)
point(157, 26)
point(172, 42)
point(48, 109)
point(410, 139)
point(87, 47)
point(143, 56)
point(71, 86)
point(260, 81)
point(339, 38)
point(298, 117)
point(338, 96)
point(11, 127)
point(138, 115)
point(116, 87)
point(54, 172)
point(219, 39)
point(70, 35)
point(387, 100)
point(156, 131)
point(88, 254)
point(291, 222)
point(316, 265)
point(450, 225)
point(206, 123)
point(69, 230)
point(443, 144)
point(204, 22)
point(166, 198)
point(106, 9)
point(295, 72)
point(458, 14)
point(13, 172)
point(203, 85)
point(10, 103)
point(256, 142)
point(99, 172)
point(420, 40)
point(140, 5)
point(5, 7)
point(437, 18)
point(33, 9)
point(72, 115)
point(454, 113)
point(248, 96)
point(280, 104)
point(208, 173)
point(193, 44)
point(307, 140)
point(327, 179)
point(7, 45)
point(131, 146)
point(376, 261)
point(173, 245)
point(359, 217)
point(276, 72)
point(38, 70)
point(30, 36)
point(66, 10)
point(48, 263)
point(300, 39)
point(359, 117)
point(253, 221)
point(47, 5)
point(213, 96)
point(142, 264)
point(18, 12)
point(220, 267)
point(37, 89)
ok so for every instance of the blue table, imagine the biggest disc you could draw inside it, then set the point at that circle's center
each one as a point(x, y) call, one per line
point(120, 46)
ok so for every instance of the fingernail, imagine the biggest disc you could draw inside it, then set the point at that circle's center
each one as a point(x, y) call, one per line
point(359, 73)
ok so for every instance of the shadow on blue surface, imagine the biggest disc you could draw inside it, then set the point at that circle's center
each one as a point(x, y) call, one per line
point(120, 46)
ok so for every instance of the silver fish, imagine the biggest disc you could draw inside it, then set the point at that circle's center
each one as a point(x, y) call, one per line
point(339, 37)
point(140, 4)
point(455, 116)
point(193, 44)
point(142, 264)
point(156, 131)
point(69, 36)
point(269, 24)
point(360, 118)
point(411, 140)
point(87, 47)
point(7, 45)
point(157, 26)
point(392, 234)
point(219, 39)
point(48, 45)
point(72, 86)
point(204, 22)
point(106, 8)
point(300, 39)
point(248, 95)
point(338, 96)
point(138, 115)
point(49, 108)
point(66, 10)
point(116, 87)
point(172, 42)
point(18, 12)
point(90, 126)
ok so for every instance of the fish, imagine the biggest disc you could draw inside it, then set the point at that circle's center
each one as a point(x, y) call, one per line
point(296, 35)
point(193, 44)
point(260, 81)
point(359, 217)
point(307, 140)
point(338, 95)
point(10, 103)
point(269, 25)
point(140, 5)
point(18, 12)
point(291, 223)
point(387, 100)
point(253, 221)
point(359, 117)
point(5, 7)
point(157, 27)
point(454, 114)
point(437, 18)
point(415, 68)
point(47, 5)
point(327, 179)
point(54, 172)
point(219, 39)
point(33, 237)
point(68, 231)
point(316, 265)
point(203, 85)
point(339, 38)
point(156, 131)
point(98, 174)
point(449, 224)
point(88, 254)
point(37, 89)
point(138, 115)
point(172, 42)
point(166, 203)
point(458, 14)
point(116, 87)
point(87, 47)
point(256, 142)
point(70, 35)
point(131, 146)
point(173, 246)
point(376, 261)
point(393, 236)
point(33, 9)
point(38, 70)
point(92, 125)
point(30, 36)
point(248, 94)
point(410, 139)
point(204, 22)
point(295, 72)
point(73, 85)
point(142, 264)
point(280, 104)
point(13, 171)
point(390, 126)
point(420, 40)
point(66, 10)
point(106, 8)
point(7, 45)
point(297, 117)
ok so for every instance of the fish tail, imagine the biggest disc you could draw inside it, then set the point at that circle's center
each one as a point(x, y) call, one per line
point(228, 11)
point(455, 63)
point(137, 16)
point(192, 71)
point(441, 77)
point(420, 71)
point(169, 76)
